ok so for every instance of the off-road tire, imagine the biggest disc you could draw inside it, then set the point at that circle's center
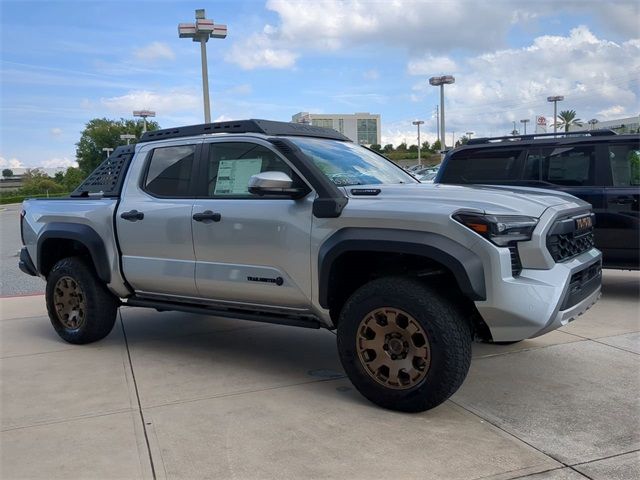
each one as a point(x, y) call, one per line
point(446, 328)
point(99, 306)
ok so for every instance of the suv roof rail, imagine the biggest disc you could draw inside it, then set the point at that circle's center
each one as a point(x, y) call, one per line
point(266, 127)
point(533, 136)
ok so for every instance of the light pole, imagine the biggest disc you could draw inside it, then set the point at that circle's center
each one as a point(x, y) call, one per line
point(441, 82)
point(127, 137)
point(201, 31)
point(144, 114)
point(592, 123)
point(418, 123)
point(514, 132)
point(524, 121)
point(468, 134)
point(555, 99)
point(108, 151)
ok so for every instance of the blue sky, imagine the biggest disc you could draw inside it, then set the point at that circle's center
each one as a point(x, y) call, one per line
point(64, 63)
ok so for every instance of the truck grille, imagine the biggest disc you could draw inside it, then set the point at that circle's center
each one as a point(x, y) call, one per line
point(565, 241)
point(516, 265)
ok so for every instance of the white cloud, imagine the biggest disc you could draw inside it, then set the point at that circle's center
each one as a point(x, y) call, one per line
point(59, 163)
point(372, 74)
point(494, 89)
point(10, 163)
point(56, 132)
point(431, 65)
point(242, 89)
point(153, 52)
point(167, 102)
point(260, 51)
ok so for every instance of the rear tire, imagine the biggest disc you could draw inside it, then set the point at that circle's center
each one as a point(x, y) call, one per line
point(80, 307)
point(403, 345)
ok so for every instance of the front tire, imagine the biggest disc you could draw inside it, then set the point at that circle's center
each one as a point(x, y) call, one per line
point(80, 307)
point(403, 345)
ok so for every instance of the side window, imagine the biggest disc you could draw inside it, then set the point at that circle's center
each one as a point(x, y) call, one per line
point(625, 165)
point(484, 165)
point(567, 166)
point(231, 165)
point(169, 171)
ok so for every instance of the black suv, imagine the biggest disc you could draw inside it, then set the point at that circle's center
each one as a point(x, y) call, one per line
point(599, 166)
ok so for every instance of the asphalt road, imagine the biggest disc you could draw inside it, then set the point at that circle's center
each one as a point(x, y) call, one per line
point(12, 280)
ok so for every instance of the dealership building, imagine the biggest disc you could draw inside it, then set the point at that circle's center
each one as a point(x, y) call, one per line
point(362, 128)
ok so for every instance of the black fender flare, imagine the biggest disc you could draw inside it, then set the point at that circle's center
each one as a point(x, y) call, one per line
point(82, 234)
point(465, 265)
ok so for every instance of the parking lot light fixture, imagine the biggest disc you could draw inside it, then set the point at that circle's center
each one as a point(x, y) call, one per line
point(418, 123)
point(201, 31)
point(107, 151)
point(441, 82)
point(468, 134)
point(592, 123)
point(144, 114)
point(524, 121)
point(555, 99)
point(128, 137)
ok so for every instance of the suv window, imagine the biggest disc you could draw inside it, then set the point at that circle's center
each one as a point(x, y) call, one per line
point(486, 165)
point(625, 165)
point(230, 166)
point(568, 166)
point(169, 171)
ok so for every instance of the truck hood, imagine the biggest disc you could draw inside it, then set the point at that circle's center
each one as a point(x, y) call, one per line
point(497, 200)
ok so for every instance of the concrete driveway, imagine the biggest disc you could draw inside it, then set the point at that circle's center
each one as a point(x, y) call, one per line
point(171, 395)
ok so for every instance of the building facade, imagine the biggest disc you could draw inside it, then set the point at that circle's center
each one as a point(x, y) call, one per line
point(620, 126)
point(362, 128)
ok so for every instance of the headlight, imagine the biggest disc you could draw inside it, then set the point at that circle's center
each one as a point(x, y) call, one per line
point(499, 229)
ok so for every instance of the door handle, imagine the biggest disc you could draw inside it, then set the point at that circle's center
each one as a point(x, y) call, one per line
point(622, 200)
point(206, 216)
point(132, 215)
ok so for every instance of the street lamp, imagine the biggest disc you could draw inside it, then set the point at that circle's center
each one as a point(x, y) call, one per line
point(127, 137)
point(555, 99)
point(201, 31)
point(468, 134)
point(417, 123)
point(144, 114)
point(441, 82)
point(108, 151)
point(514, 132)
point(592, 123)
point(524, 121)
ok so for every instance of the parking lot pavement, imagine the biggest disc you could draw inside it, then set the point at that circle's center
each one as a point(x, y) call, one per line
point(171, 395)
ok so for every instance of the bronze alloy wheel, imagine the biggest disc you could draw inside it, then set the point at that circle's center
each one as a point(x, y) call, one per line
point(69, 302)
point(393, 348)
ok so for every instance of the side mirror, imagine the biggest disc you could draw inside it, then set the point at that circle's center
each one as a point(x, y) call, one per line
point(274, 183)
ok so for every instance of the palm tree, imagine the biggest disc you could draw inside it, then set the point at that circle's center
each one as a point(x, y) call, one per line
point(567, 118)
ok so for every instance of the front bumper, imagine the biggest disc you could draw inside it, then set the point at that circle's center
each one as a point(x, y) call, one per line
point(539, 301)
point(26, 264)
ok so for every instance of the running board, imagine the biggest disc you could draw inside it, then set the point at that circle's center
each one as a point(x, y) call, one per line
point(290, 320)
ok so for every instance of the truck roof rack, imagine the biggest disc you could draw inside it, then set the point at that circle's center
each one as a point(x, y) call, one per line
point(266, 127)
point(534, 136)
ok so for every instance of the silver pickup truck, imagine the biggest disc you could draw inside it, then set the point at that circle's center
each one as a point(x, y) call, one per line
point(294, 224)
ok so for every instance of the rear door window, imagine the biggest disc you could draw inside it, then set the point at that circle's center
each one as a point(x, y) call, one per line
point(483, 166)
point(567, 166)
point(624, 161)
point(170, 171)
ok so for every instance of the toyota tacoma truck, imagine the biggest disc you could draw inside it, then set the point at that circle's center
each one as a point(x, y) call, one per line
point(295, 224)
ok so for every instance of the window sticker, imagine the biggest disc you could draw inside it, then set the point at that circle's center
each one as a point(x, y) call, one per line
point(233, 175)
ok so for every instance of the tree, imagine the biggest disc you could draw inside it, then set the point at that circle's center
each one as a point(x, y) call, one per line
point(413, 148)
point(567, 118)
point(402, 147)
point(102, 133)
point(41, 185)
point(436, 147)
point(7, 173)
point(388, 148)
point(425, 146)
point(72, 178)
point(376, 147)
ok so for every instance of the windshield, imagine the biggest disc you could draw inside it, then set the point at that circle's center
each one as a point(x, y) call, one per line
point(346, 163)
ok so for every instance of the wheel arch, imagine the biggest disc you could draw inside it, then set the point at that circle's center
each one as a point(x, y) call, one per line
point(58, 240)
point(464, 265)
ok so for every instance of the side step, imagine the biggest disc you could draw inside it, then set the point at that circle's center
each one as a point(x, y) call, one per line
point(291, 320)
